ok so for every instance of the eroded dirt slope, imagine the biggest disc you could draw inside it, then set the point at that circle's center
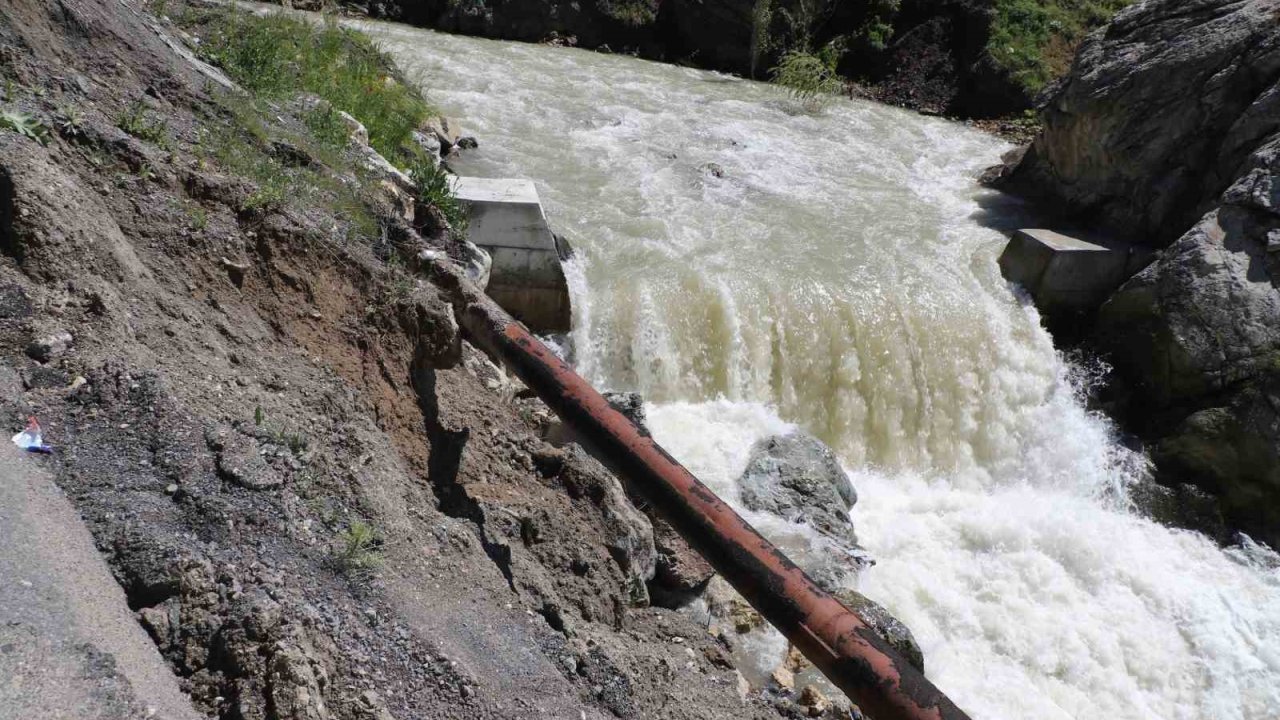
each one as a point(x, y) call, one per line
point(315, 507)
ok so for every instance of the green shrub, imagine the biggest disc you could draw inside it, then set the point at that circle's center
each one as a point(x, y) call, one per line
point(1035, 40)
point(877, 29)
point(810, 78)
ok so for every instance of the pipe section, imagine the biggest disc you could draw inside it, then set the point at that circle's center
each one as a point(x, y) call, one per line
point(839, 643)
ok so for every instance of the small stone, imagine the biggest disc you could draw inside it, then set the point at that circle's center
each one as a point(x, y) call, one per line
point(812, 698)
point(77, 382)
point(171, 488)
point(50, 346)
point(236, 271)
point(783, 679)
point(744, 687)
point(795, 660)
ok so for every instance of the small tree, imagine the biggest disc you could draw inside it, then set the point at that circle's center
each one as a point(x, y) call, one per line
point(810, 77)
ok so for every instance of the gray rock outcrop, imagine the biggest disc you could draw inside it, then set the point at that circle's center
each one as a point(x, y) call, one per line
point(1197, 335)
point(1158, 114)
point(1168, 129)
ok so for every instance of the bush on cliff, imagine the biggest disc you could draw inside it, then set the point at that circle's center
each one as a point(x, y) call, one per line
point(1035, 40)
point(810, 77)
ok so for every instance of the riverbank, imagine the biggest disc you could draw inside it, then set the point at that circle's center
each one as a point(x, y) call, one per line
point(1192, 335)
point(984, 60)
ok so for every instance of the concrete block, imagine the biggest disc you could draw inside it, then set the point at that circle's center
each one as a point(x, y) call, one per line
point(526, 279)
point(1067, 275)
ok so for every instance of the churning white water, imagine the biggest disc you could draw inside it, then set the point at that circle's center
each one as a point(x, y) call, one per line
point(751, 269)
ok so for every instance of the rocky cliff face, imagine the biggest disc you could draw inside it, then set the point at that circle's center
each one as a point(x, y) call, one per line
point(1159, 113)
point(1168, 130)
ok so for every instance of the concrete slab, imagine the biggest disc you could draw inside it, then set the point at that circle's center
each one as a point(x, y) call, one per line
point(507, 221)
point(1067, 274)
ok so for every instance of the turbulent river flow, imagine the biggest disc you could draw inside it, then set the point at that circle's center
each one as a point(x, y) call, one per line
point(752, 269)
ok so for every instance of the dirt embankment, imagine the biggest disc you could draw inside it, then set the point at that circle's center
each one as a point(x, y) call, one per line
point(316, 506)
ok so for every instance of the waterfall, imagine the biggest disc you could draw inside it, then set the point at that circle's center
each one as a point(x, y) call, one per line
point(751, 269)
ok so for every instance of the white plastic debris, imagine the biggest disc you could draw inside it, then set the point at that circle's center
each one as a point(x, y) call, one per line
point(32, 439)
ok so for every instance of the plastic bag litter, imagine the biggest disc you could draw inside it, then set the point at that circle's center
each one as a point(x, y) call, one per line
point(32, 439)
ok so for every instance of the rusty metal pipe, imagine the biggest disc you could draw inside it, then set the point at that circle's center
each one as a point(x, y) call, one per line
point(838, 642)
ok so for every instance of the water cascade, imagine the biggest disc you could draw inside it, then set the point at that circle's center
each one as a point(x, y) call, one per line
point(751, 268)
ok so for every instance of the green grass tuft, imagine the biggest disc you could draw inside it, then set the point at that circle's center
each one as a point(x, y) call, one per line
point(278, 56)
point(358, 547)
point(435, 187)
point(141, 124)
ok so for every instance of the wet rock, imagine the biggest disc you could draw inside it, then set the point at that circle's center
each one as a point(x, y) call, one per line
point(468, 143)
point(47, 347)
point(712, 169)
point(798, 478)
point(886, 625)
point(782, 679)
point(429, 144)
point(630, 404)
point(1183, 505)
point(447, 131)
point(724, 604)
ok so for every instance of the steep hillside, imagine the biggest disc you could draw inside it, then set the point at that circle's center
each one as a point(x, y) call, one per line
point(319, 502)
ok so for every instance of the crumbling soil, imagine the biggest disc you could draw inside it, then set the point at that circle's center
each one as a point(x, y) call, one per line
point(248, 392)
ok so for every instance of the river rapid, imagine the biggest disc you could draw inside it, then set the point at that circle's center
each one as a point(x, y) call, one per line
point(752, 269)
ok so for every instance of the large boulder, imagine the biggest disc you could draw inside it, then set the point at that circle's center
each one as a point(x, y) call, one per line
point(1196, 336)
point(1159, 111)
point(798, 478)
